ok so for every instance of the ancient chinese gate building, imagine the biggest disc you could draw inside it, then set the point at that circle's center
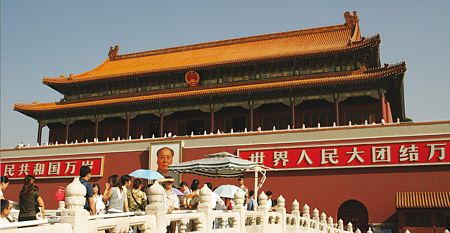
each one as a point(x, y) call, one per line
point(287, 100)
point(305, 77)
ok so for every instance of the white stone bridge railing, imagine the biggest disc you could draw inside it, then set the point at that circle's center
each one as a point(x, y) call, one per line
point(74, 219)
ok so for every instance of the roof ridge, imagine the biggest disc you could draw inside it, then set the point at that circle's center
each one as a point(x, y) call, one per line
point(356, 45)
point(351, 21)
point(238, 40)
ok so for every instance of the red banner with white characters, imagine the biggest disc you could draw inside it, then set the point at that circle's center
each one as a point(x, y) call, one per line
point(407, 153)
point(51, 168)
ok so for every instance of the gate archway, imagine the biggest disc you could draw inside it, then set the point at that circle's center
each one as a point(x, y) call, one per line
point(355, 212)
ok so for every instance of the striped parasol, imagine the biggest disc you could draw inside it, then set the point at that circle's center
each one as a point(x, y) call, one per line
point(222, 164)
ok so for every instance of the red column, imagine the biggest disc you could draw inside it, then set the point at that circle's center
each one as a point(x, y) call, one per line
point(39, 136)
point(382, 106)
point(67, 129)
point(211, 108)
point(161, 123)
point(96, 126)
point(251, 115)
point(293, 112)
point(336, 109)
point(128, 126)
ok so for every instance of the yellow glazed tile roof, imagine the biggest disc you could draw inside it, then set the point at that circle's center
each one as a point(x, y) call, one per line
point(256, 48)
point(308, 81)
point(422, 200)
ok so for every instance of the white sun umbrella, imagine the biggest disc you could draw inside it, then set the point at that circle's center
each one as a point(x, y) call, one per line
point(222, 164)
point(227, 190)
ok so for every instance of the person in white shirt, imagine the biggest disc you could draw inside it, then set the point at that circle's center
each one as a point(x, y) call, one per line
point(100, 207)
point(184, 188)
point(170, 201)
point(5, 217)
point(269, 203)
point(4, 182)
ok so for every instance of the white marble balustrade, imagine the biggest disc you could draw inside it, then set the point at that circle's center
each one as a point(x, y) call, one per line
point(74, 219)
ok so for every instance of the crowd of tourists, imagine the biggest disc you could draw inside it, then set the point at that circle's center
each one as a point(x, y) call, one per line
point(121, 194)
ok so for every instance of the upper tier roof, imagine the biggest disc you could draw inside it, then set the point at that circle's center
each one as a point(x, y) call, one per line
point(316, 80)
point(305, 42)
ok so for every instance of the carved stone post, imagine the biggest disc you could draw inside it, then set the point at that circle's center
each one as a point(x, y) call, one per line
point(315, 218)
point(340, 224)
point(281, 208)
point(155, 196)
point(296, 213)
point(205, 207)
point(239, 208)
point(350, 227)
point(330, 222)
point(323, 220)
point(75, 214)
point(264, 210)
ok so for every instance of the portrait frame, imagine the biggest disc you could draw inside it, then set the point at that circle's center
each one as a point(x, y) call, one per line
point(176, 146)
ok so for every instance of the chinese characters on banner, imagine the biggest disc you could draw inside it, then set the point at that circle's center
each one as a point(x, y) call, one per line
point(52, 168)
point(342, 156)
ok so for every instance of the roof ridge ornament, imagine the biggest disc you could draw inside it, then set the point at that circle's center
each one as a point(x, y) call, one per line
point(113, 52)
point(351, 19)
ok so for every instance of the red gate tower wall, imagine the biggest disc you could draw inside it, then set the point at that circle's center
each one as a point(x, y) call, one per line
point(324, 188)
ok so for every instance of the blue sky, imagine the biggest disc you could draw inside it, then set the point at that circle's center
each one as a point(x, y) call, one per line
point(49, 38)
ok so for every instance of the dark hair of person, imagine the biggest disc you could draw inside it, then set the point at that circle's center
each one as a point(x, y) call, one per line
point(28, 185)
point(241, 178)
point(209, 185)
point(4, 204)
point(84, 170)
point(124, 179)
point(171, 151)
point(194, 187)
point(98, 187)
point(137, 183)
point(269, 193)
point(183, 184)
point(114, 181)
point(195, 182)
point(4, 179)
point(251, 193)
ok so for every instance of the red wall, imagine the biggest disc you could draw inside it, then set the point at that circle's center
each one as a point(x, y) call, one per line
point(323, 189)
point(119, 163)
